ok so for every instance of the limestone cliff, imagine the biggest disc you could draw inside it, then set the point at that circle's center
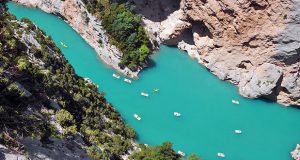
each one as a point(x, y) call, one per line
point(254, 44)
point(87, 25)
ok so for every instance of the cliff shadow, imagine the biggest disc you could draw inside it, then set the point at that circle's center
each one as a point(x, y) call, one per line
point(155, 10)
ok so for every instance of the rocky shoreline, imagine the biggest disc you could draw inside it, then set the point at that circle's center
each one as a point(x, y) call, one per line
point(87, 25)
point(254, 44)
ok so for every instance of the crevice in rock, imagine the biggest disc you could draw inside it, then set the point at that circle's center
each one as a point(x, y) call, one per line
point(186, 36)
point(256, 6)
point(248, 43)
point(244, 64)
point(285, 90)
point(229, 12)
point(200, 28)
point(276, 90)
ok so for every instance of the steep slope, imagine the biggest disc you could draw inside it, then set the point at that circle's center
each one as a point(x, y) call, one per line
point(36, 101)
point(251, 43)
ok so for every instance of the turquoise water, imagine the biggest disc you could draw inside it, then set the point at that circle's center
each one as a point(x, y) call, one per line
point(208, 120)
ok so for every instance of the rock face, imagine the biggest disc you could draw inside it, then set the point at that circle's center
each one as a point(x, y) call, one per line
point(88, 26)
point(57, 149)
point(254, 44)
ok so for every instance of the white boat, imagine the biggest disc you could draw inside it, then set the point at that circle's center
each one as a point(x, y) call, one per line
point(235, 102)
point(156, 90)
point(127, 80)
point(181, 153)
point(116, 76)
point(220, 154)
point(137, 117)
point(64, 45)
point(144, 94)
point(237, 131)
point(177, 114)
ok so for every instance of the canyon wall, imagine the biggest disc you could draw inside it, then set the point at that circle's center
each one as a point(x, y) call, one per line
point(87, 25)
point(255, 44)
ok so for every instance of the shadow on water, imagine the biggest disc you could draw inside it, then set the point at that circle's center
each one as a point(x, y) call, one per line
point(267, 100)
point(151, 64)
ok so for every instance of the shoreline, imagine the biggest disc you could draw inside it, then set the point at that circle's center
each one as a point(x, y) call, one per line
point(260, 69)
point(91, 31)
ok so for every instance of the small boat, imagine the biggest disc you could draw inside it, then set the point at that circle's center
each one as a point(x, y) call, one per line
point(220, 154)
point(156, 90)
point(127, 80)
point(137, 117)
point(144, 94)
point(181, 153)
point(116, 76)
point(237, 131)
point(177, 114)
point(235, 102)
point(64, 45)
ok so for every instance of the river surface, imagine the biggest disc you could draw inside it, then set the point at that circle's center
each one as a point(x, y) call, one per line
point(269, 131)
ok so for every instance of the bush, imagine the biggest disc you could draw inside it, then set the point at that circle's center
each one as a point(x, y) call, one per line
point(22, 63)
point(64, 118)
point(163, 152)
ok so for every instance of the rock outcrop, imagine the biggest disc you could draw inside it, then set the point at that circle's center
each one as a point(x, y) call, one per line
point(263, 81)
point(87, 25)
point(244, 42)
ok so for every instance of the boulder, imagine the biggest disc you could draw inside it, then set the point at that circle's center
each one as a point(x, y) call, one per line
point(263, 81)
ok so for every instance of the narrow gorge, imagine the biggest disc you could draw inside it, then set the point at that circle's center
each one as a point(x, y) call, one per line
point(253, 44)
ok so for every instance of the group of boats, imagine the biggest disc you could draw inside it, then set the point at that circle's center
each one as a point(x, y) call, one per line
point(136, 116)
point(176, 114)
point(129, 81)
point(237, 131)
point(125, 79)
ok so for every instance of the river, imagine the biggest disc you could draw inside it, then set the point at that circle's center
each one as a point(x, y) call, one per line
point(270, 131)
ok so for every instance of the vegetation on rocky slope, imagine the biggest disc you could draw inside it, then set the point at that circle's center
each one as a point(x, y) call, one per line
point(125, 30)
point(39, 91)
point(36, 78)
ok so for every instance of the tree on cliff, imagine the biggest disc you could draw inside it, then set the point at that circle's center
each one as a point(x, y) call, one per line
point(163, 152)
